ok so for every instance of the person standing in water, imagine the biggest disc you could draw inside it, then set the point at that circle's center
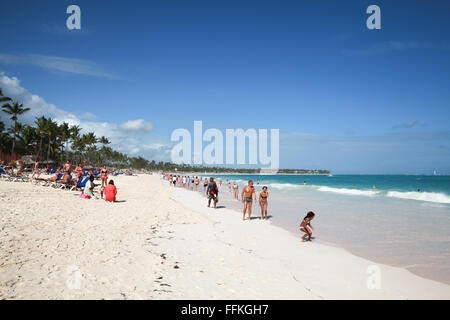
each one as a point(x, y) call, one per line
point(248, 193)
point(205, 185)
point(263, 202)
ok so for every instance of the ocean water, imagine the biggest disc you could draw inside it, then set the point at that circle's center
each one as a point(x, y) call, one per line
point(380, 217)
point(434, 189)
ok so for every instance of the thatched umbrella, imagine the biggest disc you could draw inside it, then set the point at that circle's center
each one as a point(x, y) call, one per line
point(48, 162)
point(29, 159)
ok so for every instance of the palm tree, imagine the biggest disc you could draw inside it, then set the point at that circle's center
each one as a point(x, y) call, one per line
point(75, 137)
point(15, 109)
point(3, 98)
point(104, 141)
point(89, 140)
point(64, 132)
point(41, 129)
point(4, 138)
point(52, 131)
point(28, 139)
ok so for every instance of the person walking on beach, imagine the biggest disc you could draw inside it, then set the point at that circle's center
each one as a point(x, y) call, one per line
point(236, 190)
point(247, 198)
point(304, 226)
point(197, 181)
point(212, 192)
point(104, 176)
point(263, 202)
point(205, 185)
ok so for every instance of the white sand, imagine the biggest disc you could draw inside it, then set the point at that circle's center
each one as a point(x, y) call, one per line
point(128, 250)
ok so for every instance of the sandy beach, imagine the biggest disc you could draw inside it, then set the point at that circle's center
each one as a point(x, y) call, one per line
point(160, 242)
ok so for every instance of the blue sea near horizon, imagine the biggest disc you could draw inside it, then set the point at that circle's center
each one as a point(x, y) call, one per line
point(379, 217)
point(432, 188)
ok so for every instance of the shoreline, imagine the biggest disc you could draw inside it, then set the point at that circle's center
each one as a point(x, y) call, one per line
point(401, 278)
point(381, 246)
point(160, 242)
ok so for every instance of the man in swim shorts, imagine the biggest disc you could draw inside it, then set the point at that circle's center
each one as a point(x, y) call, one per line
point(248, 193)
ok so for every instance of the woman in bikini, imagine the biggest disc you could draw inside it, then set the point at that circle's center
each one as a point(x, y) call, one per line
point(304, 226)
point(236, 191)
point(205, 185)
point(263, 202)
point(197, 181)
point(78, 174)
point(104, 176)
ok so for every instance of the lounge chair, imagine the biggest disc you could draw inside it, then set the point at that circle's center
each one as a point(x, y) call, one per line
point(81, 183)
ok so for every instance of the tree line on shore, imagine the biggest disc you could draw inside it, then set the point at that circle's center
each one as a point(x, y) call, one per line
point(49, 141)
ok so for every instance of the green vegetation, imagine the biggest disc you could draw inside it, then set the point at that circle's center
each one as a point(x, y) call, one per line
point(50, 141)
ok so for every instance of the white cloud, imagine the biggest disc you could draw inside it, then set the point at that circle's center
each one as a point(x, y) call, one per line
point(69, 65)
point(406, 125)
point(89, 116)
point(138, 125)
point(130, 137)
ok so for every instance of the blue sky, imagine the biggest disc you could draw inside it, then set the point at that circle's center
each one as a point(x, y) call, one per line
point(344, 97)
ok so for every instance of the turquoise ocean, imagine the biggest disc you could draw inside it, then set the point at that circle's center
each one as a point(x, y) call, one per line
point(433, 188)
point(379, 217)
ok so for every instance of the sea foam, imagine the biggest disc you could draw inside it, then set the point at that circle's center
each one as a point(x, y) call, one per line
point(355, 192)
point(421, 196)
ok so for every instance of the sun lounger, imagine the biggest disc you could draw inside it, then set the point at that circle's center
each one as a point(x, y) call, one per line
point(81, 183)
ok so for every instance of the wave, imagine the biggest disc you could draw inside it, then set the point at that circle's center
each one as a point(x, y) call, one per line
point(283, 186)
point(422, 196)
point(435, 197)
point(354, 192)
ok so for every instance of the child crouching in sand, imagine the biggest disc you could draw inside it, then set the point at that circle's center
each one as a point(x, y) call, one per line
point(305, 224)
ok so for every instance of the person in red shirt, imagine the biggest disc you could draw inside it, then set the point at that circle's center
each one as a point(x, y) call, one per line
point(110, 191)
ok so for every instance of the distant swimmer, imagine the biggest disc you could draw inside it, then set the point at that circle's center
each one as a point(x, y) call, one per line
point(354, 186)
point(263, 202)
point(418, 190)
point(248, 193)
point(304, 226)
point(304, 183)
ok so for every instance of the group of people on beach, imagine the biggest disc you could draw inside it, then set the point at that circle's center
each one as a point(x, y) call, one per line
point(248, 197)
point(107, 189)
point(63, 176)
point(211, 190)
